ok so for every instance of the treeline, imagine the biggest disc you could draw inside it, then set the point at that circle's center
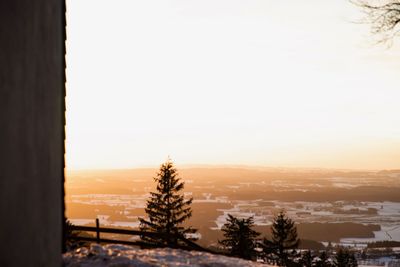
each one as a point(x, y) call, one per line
point(167, 209)
point(281, 249)
point(384, 244)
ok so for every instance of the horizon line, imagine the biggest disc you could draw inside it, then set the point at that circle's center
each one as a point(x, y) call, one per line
point(238, 166)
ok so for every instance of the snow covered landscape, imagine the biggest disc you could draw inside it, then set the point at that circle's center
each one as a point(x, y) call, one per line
point(337, 208)
point(369, 199)
point(126, 256)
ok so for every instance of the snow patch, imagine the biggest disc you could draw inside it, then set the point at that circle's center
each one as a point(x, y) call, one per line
point(121, 255)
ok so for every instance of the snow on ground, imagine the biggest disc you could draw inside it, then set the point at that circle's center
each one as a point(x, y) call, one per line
point(127, 256)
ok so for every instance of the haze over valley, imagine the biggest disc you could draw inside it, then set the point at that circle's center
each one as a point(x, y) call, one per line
point(347, 207)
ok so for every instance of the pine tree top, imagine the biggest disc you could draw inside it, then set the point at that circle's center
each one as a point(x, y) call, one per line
point(167, 179)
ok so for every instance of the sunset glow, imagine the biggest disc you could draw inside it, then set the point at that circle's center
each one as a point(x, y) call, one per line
point(229, 82)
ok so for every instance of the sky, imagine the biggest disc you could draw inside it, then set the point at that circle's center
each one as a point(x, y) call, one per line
point(281, 83)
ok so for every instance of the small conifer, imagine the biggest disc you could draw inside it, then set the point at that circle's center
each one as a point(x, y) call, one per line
point(240, 240)
point(284, 239)
point(345, 258)
point(167, 210)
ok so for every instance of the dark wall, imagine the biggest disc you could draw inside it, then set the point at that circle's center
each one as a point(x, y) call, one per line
point(31, 132)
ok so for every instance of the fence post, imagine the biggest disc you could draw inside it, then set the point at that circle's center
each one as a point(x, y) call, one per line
point(97, 231)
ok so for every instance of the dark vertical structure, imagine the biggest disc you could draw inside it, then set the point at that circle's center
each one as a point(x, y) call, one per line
point(32, 91)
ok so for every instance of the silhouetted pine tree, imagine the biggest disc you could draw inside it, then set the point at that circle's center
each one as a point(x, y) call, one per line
point(345, 258)
point(284, 239)
point(307, 259)
point(167, 209)
point(323, 260)
point(240, 239)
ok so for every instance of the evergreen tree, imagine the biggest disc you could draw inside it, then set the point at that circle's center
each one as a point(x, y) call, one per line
point(345, 258)
point(329, 247)
point(323, 260)
point(167, 209)
point(240, 239)
point(307, 259)
point(284, 238)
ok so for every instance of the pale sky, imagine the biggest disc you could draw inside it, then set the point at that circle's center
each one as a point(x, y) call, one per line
point(253, 82)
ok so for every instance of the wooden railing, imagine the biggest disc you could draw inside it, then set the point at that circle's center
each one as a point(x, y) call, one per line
point(188, 244)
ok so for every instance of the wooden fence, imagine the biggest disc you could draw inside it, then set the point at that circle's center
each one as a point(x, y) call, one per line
point(188, 244)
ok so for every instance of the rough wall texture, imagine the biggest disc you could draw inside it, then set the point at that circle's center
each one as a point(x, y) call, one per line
point(31, 131)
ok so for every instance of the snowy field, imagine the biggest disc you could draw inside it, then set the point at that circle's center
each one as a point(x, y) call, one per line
point(386, 214)
point(126, 256)
point(118, 198)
